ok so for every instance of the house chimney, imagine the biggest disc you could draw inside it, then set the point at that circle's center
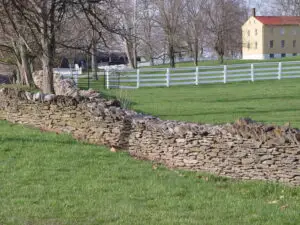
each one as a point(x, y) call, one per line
point(253, 12)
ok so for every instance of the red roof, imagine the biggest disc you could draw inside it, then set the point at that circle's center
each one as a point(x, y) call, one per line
point(279, 20)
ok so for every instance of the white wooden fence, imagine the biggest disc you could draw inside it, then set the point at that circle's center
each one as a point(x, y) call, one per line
point(159, 77)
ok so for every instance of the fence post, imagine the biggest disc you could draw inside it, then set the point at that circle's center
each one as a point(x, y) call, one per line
point(76, 77)
point(168, 77)
point(225, 74)
point(252, 72)
point(197, 76)
point(279, 70)
point(107, 78)
point(71, 72)
point(138, 78)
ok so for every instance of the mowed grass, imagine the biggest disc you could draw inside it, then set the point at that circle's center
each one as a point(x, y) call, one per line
point(276, 102)
point(52, 179)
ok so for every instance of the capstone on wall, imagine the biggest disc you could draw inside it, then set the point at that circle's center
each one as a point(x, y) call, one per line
point(245, 149)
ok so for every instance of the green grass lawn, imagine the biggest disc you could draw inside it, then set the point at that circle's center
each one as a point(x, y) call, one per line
point(275, 102)
point(52, 179)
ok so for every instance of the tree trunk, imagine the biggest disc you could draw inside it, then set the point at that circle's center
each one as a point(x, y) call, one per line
point(196, 52)
point(151, 61)
point(201, 52)
point(20, 78)
point(14, 76)
point(134, 52)
point(47, 87)
point(47, 62)
point(48, 46)
point(26, 73)
point(171, 55)
point(219, 48)
point(94, 60)
point(221, 58)
point(129, 53)
point(190, 49)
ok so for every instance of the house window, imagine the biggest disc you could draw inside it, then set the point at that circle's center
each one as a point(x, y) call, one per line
point(282, 43)
point(248, 32)
point(294, 31)
point(255, 31)
point(271, 56)
point(282, 55)
point(282, 31)
point(272, 30)
point(271, 43)
point(255, 45)
point(294, 43)
point(294, 54)
point(248, 45)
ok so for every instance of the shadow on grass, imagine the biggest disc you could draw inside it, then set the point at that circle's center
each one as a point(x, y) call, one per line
point(230, 112)
point(39, 140)
point(254, 98)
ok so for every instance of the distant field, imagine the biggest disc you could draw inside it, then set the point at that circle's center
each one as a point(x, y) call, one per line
point(49, 179)
point(275, 102)
point(230, 62)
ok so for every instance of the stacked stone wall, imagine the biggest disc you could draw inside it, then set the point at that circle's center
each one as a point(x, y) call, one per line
point(244, 150)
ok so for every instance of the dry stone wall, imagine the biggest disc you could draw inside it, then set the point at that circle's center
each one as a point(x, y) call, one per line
point(245, 149)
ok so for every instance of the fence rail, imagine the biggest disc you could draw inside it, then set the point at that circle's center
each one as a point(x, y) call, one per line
point(158, 77)
point(166, 77)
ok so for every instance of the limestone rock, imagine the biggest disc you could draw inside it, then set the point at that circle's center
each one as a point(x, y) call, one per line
point(49, 97)
point(29, 95)
point(113, 149)
point(89, 93)
point(38, 96)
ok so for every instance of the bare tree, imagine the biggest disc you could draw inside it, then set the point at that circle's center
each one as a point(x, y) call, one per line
point(78, 36)
point(286, 7)
point(100, 18)
point(169, 18)
point(44, 20)
point(194, 26)
point(224, 20)
point(16, 41)
point(146, 31)
point(149, 33)
point(125, 12)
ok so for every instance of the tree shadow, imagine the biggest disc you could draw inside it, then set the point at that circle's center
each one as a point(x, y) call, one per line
point(38, 140)
point(230, 112)
point(254, 98)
